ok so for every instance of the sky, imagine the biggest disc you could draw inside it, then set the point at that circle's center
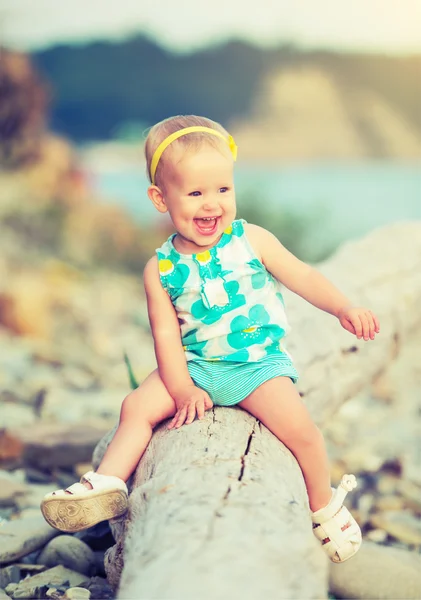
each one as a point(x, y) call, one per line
point(184, 25)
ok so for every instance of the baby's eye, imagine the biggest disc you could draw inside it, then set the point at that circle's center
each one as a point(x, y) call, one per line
point(223, 190)
point(195, 193)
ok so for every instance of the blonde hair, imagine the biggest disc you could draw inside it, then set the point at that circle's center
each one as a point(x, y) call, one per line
point(159, 132)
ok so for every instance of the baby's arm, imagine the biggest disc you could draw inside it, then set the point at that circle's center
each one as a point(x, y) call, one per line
point(170, 356)
point(310, 284)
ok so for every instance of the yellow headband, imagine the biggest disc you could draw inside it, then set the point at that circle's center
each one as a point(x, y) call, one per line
point(171, 138)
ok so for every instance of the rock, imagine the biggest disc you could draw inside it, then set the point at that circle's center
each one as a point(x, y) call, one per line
point(360, 458)
point(77, 593)
point(11, 448)
point(48, 446)
point(65, 405)
point(401, 525)
point(32, 499)
point(16, 415)
point(98, 537)
point(34, 475)
point(77, 378)
point(30, 559)
point(385, 503)
point(9, 575)
point(377, 535)
point(411, 461)
point(70, 552)
point(387, 484)
point(99, 588)
point(26, 305)
point(30, 593)
point(10, 491)
point(365, 504)
point(22, 536)
point(11, 588)
point(377, 572)
point(57, 577)
point(411, 494)
point(99, 561)
point(28, 569)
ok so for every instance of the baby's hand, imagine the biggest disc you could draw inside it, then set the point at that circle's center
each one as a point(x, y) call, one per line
point(191, 401)
point(359, 321)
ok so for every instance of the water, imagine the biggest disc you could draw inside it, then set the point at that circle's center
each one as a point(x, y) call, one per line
point(352, 198)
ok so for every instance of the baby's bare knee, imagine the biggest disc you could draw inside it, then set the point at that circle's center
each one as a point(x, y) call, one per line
point(134, 407)
point(308, 435)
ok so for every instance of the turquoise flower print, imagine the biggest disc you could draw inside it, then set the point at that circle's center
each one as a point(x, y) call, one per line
point(258, 280)
point(236, 228)
point(211, 315)
point(209, 265)
point(253, 330)
point(174, 275)
point(280, 297)
point(191, 344)
point(240, 356)
point(274, 348)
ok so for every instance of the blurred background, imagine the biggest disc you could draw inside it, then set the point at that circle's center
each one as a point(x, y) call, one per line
point(323, 100)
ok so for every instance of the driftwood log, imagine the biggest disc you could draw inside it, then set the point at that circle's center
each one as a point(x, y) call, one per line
point(218, 509)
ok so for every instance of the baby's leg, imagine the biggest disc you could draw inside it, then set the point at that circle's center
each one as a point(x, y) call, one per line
point(141, 410)
point(277, 404)
point(103, 495)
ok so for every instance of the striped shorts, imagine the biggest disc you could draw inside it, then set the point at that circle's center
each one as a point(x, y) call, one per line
point(228, 382)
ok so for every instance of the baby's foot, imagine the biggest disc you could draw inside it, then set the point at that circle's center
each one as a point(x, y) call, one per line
point(334, 525)
point(96, 498)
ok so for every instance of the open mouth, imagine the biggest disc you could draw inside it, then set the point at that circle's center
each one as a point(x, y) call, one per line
point(207, 225)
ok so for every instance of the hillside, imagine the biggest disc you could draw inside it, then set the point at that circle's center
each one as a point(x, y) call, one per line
point(306, 114)
point(280, 102)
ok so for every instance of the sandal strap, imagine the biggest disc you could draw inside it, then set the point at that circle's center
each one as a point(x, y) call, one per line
point(103, 482)
point(348, 483)
point(75, 488)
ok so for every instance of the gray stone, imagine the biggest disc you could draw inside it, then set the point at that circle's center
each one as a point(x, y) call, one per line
point(22, 536)
point(401, 525)
point(378, 572)
point(56, 577)
point(11, 588)
point(77, 593)
point(35, 494)
point(70, 552)
point(99, 588)
point(77, 378)
point(411, 494)
point(34, 475)
point(99, 561)
point(16, 415)
point(10, 492)
point(30, 593)
point(9, 575)
point(48, 446)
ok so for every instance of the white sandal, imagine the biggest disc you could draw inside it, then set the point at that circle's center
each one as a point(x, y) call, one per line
point(81, 507)
point(334, 525)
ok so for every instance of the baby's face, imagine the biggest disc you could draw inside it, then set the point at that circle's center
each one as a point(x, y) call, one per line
point(200, 196)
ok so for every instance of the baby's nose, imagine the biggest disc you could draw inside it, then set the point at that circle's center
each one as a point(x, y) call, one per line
point(210, 203)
